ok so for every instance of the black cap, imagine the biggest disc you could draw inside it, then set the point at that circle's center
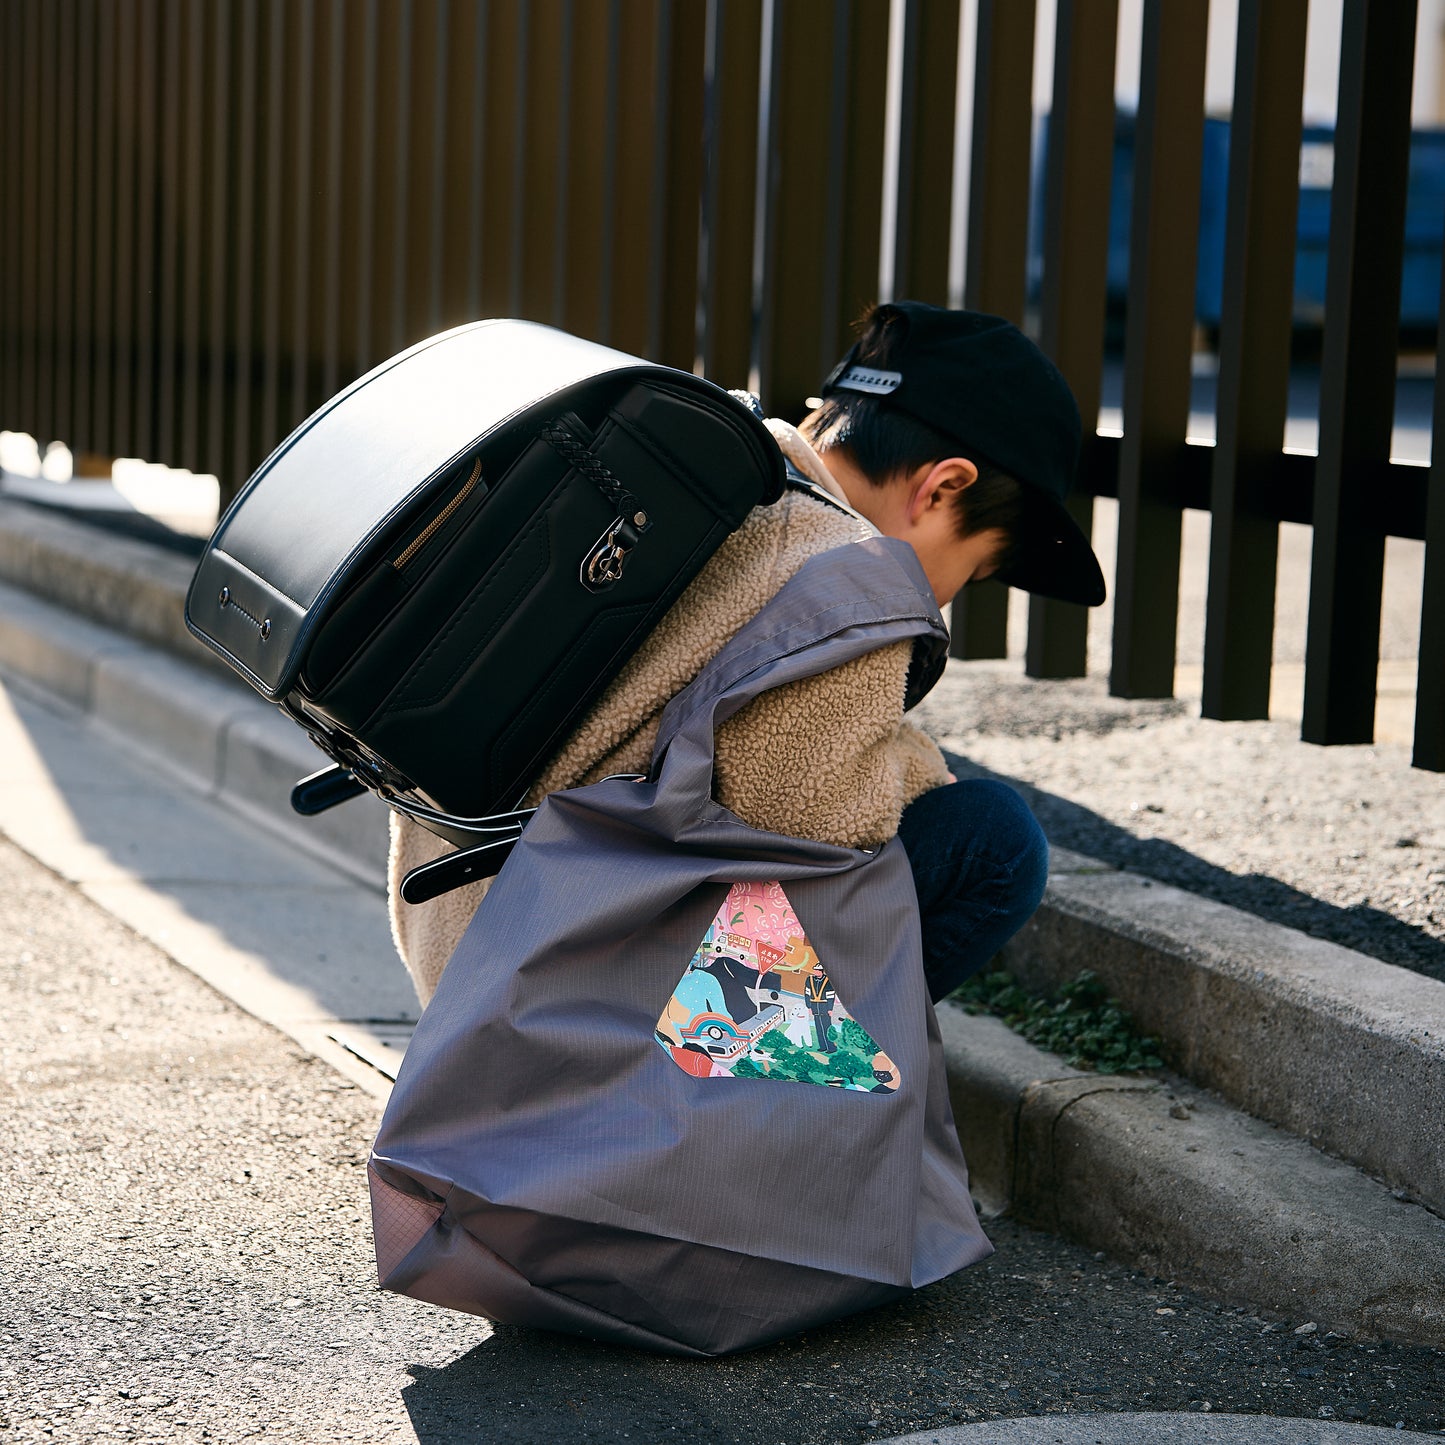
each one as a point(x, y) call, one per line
point(981, 382)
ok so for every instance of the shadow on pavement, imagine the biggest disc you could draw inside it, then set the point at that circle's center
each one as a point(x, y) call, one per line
point(1041, 1327)
point(526, 1385)
point(1367, 930)
point(293, 937)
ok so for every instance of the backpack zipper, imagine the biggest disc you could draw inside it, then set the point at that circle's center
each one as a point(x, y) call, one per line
point(426, 533)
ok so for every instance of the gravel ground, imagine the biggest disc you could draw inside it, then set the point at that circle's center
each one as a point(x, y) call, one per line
point(187, 1258)
point(1347, 843)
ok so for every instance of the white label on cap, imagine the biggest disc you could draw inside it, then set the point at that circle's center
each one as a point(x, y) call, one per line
point(869, 379)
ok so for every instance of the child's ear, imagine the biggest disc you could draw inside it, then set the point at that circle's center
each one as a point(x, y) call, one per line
point(940, 485)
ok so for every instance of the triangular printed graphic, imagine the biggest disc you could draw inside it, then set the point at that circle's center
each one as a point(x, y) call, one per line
point(756, 1003)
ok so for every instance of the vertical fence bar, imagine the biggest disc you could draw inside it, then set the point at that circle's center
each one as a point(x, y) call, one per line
point(925, 161)
point(13, 239)
point(173, 95)
point(641, 164)
point(518, 133)
point(1077, 182)
point(898, 117)
point(492, 271)
point(477, 219)
point(726, 219)
point(275, 123)
point(707, 203)
point(1429, 749)
point(440, 180)
point(461, 41)
point(399, 141)
point(121, 359)
point(851, 119)
point(1357, 380)
point(765, 185)
point(858, 121)
point(75, 354)
point(998, 208)
point(79, 356)
point(62, 338)
point(1163, 247)
point(275, 120)
point(418, 182)
point(103, 240)
point(1254, 349)
point(582, 242)
point(46, 204)
point(831, 260)
point(333, 261)
point(796, 335)
point(146, 264)
point(998, 226)
point(562, 181)
point(624, 42)
point(29, 216)
point(219, 153)
point(194, 245)
point(241, 345)
point(364, 223)
point(10, 57)
point(608, 137)
point(305, 173)
point(678, 271)
point(22, 216)
point(662, 85)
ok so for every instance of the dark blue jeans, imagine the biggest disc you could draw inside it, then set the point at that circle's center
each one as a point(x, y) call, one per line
point(980, 862)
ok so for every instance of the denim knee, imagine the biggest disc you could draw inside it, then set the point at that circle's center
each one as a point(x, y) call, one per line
point(980, 862)
point(1019, 838)
point(977, 833)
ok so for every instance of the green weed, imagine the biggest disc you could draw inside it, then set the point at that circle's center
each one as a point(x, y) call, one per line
point(1079, 1022)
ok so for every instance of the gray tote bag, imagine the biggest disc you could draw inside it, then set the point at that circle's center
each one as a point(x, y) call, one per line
point(681, 1086)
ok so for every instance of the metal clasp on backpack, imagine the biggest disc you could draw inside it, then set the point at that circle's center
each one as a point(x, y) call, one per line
point(602, 566)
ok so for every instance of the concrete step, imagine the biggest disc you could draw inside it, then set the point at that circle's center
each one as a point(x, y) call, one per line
point(214, 733)
point(1341, 1049)
point(130, 586)
point(1183, 1186)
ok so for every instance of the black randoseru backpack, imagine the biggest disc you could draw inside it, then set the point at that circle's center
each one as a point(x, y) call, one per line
point(438, 572)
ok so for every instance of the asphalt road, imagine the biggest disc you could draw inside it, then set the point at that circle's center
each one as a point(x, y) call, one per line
point(186, 1257)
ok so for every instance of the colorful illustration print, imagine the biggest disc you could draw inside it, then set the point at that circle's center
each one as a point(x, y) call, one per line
point(756, 1003)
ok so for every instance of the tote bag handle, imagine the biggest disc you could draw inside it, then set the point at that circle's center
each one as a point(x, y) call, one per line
point(841, 604)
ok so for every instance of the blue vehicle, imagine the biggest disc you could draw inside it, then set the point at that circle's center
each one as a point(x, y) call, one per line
point(1424, 228)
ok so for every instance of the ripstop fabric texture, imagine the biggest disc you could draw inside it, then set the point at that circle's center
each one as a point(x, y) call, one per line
point(633, 1113)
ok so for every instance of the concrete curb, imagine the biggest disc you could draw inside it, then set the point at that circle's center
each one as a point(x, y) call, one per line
point(215, 735)
point(127, 585)
point(1345, 1051)
point(1185, 1187)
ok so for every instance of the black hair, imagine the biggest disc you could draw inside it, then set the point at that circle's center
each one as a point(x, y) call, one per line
point(885, 443)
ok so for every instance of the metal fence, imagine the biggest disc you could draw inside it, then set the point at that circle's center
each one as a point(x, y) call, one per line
point(218, 212)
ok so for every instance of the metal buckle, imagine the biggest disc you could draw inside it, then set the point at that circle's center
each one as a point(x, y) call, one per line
point(602, 566)
point(371, 771)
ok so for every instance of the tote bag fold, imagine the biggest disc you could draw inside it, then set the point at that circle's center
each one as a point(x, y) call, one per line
point(681, 1085)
